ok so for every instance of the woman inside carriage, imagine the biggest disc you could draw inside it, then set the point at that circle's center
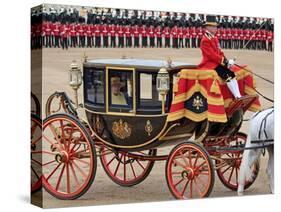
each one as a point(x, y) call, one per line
point(214, 58)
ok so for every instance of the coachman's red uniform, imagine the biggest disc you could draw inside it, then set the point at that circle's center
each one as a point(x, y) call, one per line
point(211, 52)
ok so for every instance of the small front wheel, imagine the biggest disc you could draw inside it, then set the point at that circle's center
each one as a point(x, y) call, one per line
point(189, 171)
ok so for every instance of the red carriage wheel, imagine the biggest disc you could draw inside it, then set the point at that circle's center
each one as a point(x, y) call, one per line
point(189, 171)
point(36, 168)
point(230, 165)
point(69, 157)
point(126, 170)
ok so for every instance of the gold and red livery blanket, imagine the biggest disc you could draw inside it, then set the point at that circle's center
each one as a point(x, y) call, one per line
point(201, 94)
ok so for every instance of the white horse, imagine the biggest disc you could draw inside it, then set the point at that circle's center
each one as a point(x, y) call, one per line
point(261, 128)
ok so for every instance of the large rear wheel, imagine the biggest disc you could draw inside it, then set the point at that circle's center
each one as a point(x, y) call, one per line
point(69, 157)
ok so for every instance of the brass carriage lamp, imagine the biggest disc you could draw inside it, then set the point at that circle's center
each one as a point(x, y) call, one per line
point(75, 79)
point(163, 85)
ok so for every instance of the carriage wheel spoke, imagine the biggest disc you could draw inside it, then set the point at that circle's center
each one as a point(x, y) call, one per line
point(62, 134)
point(111, 160)
point(184, 188)
point(74, 175)
point(196, 159)
point(82, 161)
point(115, 172)
point(56, 136)
point(48, 140)
point(124, 167)
point(60, 177)
point(80, 170)
point(35, 141)
point(230, 174)
point(197, 188)
point(184, 159)
point(190, 187)
point(133, 171)
point(67, 179)
point(226, 169)
point(140, 164)
point(179, 164)
point(32, 169)
point(181, 180)
point(55, 169)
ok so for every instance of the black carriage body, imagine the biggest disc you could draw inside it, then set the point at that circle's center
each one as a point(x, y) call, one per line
point(140, 125)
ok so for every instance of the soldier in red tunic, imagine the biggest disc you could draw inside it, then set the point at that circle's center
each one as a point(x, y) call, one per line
point(193, 37)
point(105, 32)
point(121, 35)
point(166, 32)
point(187, 36)
point(89, 34)
point(128, 34)
point(97, 35)
point(112, 33)
point(174, 33)
point(158, 32)
point(214, 58)
point(47, 33)
point(180, 35)
point(64, 31)
point(151, 36)
point(56, 33)
point(136, 34)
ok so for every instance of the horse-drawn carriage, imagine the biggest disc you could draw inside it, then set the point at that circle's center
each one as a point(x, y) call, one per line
point(132, 108)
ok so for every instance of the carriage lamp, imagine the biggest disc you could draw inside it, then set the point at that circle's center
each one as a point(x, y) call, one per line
point(163, 84)
point(75, 79)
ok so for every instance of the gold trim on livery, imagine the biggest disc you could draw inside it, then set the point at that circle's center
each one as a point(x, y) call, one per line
point(193, 74)
point(185, 96)
point(121, 129)
point(197, 117)
point(148, 127)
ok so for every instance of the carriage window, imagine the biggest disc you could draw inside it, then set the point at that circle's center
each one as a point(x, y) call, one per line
point(120, 89)
point(94, 85)
point(149, 101)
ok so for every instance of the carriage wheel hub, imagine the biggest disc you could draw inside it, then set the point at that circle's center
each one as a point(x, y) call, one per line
point(63, 156)
point(188, 173)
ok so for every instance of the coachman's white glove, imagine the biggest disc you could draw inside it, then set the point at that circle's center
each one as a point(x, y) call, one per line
point(230, 63)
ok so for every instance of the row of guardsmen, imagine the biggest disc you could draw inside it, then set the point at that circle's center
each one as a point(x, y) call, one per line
point(55, 34)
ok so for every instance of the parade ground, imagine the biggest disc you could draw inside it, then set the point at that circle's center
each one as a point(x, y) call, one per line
point(55, 64)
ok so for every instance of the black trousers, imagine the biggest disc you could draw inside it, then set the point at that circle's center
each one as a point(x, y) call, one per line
point(151, 42)
point(144, 41)
point(105, 41)
point(225, 73)
point(97, 41)
point(187, 42)
point(112, 41)
point(57, 43)
point(167, 42)
point(128, 41)
point(159, 42)
point(136, 42)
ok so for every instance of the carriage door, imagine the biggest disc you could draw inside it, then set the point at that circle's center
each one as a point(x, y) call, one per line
point(120, 91)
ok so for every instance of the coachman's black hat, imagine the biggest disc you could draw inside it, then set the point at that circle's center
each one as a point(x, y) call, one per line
point(211, 21)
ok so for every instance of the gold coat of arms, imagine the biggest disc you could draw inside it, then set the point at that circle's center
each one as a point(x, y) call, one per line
point(121, 129)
